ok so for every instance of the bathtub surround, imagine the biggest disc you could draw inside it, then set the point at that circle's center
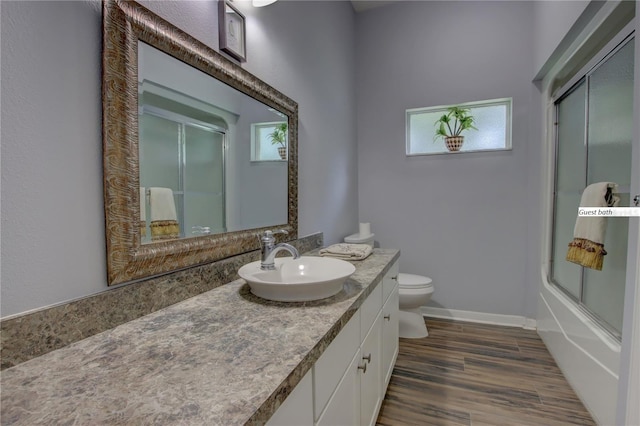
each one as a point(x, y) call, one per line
point(239, 356)
point(33, 334)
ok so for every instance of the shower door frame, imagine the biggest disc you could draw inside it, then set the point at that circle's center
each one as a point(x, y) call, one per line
point(184, 121)
point(582, 77)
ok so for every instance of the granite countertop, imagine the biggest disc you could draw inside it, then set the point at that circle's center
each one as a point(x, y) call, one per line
point(223, 357)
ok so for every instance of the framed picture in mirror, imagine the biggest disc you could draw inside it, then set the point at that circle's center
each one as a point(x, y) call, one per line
point(232, 31)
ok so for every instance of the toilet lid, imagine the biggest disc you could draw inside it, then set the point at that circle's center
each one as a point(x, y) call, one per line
point(413, 281)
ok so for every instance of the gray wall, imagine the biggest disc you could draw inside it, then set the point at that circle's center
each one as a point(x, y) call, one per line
point(53, 246)
point(460, 219)
point(553, 20)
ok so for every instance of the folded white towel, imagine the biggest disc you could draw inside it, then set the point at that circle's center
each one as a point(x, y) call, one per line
point(347, 251)
point(164, 220)
point(163, 207)
point(587, 247)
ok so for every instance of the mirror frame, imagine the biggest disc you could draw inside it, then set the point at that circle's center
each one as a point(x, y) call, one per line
point(124, 24)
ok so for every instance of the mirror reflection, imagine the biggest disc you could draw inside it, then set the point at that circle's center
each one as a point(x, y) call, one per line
point(192, 169)
point(211, 158)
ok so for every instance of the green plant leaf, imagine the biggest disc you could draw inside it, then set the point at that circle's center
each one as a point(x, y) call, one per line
point(456, 120)
point(279, 135)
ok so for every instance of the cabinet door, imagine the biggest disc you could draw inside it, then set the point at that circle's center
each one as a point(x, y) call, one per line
point(370, 379)
point(390, 335)
point(390, 281)
point(344, 406)
point(333, 363)
point(297, 409)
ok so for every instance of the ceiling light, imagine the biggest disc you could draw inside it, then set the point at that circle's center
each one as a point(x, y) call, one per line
point(261, 3)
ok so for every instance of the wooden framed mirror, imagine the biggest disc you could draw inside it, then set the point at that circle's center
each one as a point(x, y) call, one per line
point(146, 62)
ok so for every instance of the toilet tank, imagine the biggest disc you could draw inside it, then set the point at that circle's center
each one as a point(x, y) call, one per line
point(358, 239)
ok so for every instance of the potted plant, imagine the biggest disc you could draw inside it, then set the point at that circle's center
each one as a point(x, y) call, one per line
point(279, 137)
point(452, 124)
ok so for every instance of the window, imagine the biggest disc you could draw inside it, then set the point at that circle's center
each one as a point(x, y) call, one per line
point(262, 148)
point(492, 118)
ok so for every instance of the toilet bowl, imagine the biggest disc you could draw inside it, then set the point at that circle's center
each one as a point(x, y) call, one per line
point(414, 291)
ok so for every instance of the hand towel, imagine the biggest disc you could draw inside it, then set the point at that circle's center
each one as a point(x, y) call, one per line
point(143, 212)
point(587, 247)
point(347, 251)
point(164, 220)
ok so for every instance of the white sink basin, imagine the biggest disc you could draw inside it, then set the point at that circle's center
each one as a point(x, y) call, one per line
point(300, 280)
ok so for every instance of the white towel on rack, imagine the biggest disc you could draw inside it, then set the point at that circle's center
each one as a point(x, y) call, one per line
point(164, 220)
point(587, 246)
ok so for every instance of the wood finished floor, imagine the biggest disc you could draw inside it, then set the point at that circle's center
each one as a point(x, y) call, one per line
point(479, 375)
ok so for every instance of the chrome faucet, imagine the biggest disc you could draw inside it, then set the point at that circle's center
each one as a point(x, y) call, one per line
point(269, 249)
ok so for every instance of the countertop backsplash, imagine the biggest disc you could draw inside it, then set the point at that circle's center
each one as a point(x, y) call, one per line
point(33, 334)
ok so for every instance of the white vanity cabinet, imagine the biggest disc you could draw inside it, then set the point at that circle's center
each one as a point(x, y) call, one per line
point(297, 409)
point(371, 392)
point(390, 326)
point(350, 378)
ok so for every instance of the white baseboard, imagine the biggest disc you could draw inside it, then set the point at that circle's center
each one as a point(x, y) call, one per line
point(480, 317)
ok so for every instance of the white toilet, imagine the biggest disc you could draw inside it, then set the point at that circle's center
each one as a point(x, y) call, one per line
point(414, 291)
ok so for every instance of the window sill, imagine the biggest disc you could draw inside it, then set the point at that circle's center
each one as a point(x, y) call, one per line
point(475, 151)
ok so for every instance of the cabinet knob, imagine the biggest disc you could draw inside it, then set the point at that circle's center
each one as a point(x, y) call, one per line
point(363, 367)
point(387, 317)
point(367, 358)
point(395, 278)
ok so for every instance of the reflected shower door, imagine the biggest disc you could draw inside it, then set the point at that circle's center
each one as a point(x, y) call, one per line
point(188, 157)
point(204, 180)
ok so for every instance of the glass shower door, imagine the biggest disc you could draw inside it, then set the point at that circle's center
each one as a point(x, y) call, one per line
point(569, 185)
point(160, 161)
point(188, 157)
point(204, 180)
point(609, 153)
point(594, 144)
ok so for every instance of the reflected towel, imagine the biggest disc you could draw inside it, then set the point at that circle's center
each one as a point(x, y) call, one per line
point(143, 212)
point(347, 251)
point(164, 220)
point(587, 247)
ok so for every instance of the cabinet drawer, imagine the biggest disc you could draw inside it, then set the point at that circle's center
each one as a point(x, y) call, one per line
point(389, 281)
point(332, 364)
point(369, 311)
